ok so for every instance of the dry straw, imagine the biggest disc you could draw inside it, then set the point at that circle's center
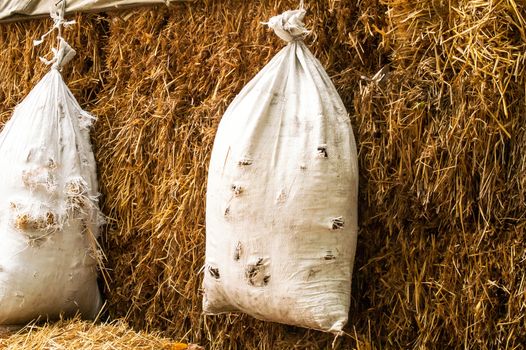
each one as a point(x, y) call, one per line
point(81, 335)
point(437, 96)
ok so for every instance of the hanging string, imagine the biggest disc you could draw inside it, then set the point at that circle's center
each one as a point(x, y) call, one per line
point(63, 52)
point(61, 14)
point(59, 23)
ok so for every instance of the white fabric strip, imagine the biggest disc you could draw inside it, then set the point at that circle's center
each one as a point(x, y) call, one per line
point(12, 10)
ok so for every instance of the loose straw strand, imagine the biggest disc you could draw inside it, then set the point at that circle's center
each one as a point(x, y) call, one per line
point(302, 5)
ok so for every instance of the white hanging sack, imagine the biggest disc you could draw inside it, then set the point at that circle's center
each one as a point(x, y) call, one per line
point(281, 216)
point(49, 216)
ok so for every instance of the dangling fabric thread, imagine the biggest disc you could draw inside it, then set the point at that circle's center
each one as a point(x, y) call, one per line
point(63, 53)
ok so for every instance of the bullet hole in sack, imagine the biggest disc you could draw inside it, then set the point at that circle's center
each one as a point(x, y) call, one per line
point(238, 251)
point(322, 151)
point(245, 162)
point(51, 164)
point(50, 219)
point(255, 274)
point(337, 223)
point(238, 190)
point(214, 272)
point(329, 256)
point(77, 195)
point(27, 222)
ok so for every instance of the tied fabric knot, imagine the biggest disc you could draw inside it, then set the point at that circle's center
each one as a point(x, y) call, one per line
point(64, 53)
point(58, 22)
point(289, 25)
point(61, 56)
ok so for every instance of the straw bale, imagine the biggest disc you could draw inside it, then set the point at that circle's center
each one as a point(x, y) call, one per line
point(437, 96)
point(76, 334)
point(442, 138)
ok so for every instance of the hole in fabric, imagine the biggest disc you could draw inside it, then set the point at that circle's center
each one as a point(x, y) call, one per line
point(322, 151)
point(329, 256)
point(337, 223)
point(51, 164)
point(238, 190)
point(214, 272)
point(26, 221)
point(238, 251)
point(245, 162)
point(77, 195)
point(255, 274)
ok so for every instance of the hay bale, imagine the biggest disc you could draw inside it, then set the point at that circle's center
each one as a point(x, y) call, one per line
point(443, 151)
point(441, 135)
point(77, 334)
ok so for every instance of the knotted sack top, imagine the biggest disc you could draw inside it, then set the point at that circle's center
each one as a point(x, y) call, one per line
point(289, 25)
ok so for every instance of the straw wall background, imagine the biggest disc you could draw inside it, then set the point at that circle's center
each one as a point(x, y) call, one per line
point(441, 131)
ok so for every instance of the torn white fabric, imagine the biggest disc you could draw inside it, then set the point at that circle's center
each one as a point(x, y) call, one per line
point(49, 216)
point(281, 216)
point(19, 9)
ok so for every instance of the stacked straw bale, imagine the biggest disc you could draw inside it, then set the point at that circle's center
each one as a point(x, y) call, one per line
point(437, 96)
point(82, 335)
point(443, 152)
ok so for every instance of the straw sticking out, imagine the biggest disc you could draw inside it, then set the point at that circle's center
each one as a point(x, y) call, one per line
point(76, 334)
